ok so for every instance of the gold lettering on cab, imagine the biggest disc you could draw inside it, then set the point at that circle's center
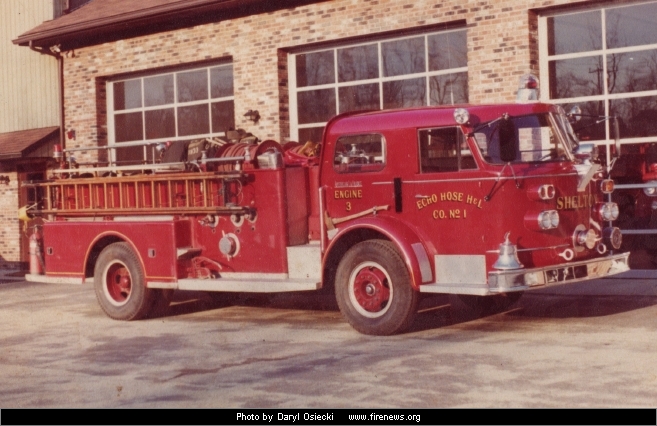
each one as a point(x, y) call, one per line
point(453, 196)
point(449, 197)
point(575, 202)
point(348, 194)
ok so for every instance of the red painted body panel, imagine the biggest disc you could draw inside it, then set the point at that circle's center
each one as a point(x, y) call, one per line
point(263, 241)
point(68, 244)
point(456, 220)
point(462, 213)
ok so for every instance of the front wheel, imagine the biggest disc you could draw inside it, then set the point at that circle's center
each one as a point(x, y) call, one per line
point(373, 289)
point(119, 284)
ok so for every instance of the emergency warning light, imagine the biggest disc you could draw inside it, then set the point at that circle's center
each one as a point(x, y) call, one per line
point(527, 88)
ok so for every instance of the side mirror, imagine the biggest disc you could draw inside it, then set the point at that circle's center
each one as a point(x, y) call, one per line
point(587, 152)
point(575, 114)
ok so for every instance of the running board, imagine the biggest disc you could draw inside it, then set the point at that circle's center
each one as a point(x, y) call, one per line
point(244, 285)
point(49, 279)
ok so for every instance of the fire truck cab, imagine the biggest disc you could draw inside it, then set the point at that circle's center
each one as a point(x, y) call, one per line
point(482, 201)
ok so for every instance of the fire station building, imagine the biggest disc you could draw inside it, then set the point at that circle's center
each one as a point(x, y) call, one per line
point(152, 71)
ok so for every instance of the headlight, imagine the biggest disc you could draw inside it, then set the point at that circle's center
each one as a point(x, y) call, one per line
point(548, 219)
point(651, 192)
point(554, 218)
point(541, 221)
point(607, 211)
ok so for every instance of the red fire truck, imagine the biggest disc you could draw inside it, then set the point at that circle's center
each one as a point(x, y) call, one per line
point(482, 201)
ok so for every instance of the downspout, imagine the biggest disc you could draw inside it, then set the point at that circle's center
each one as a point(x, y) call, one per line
point(55, 52)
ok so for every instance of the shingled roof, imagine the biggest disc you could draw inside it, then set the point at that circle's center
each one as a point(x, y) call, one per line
point(17, 144)
point(105, 20)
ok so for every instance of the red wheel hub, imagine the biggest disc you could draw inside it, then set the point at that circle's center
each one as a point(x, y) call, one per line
point(371, 289)
point(118, 282)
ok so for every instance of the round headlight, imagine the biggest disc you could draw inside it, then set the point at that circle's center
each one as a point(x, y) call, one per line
point(544, 220)
point(614, 211)
point(461, 116)
point(554, 218)
point(652, 191)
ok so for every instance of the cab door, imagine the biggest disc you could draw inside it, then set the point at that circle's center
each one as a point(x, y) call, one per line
point(445, 197)
point(359, 164)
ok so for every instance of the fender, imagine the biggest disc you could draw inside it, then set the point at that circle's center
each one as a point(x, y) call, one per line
point(406, 240)
point(124, 238)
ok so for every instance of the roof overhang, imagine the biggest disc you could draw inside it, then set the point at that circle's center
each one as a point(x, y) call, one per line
point(28, 143)
point(110, 20)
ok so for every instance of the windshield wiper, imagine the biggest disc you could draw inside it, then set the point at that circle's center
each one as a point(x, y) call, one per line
point(504, 116)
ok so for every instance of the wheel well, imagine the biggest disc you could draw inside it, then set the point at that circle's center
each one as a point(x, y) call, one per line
point(95, 252)
point(341, 247)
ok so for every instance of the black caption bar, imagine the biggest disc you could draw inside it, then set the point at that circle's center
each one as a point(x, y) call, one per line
point(330, 417)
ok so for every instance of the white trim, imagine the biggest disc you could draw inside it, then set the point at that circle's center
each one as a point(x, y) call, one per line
point(545, 59)
point(271, 285)
point(293, 89)
point(49, 279)
point(111, 113)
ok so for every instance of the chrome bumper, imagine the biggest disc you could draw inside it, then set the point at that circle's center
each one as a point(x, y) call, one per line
point(524, 279)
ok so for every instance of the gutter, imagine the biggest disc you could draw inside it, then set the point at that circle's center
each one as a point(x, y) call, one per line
point(56, 53)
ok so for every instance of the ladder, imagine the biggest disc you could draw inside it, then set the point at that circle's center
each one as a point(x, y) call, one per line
point(143, 194)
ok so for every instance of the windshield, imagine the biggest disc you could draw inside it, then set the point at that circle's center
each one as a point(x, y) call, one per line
point(523, 139)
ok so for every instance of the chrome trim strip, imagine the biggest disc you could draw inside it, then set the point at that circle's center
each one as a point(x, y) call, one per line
point(534, 249)
point(423, 261)
point(49, 279)
point(478, 179)
point(244, 285)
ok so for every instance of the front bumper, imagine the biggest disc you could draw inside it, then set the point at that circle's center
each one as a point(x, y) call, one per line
point(524, 279)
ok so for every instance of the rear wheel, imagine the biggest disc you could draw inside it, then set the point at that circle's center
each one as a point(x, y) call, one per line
point(119, 284)
point(373, 289)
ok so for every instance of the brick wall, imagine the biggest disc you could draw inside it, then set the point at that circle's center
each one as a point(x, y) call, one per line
point(502, 45)
point(10, 227)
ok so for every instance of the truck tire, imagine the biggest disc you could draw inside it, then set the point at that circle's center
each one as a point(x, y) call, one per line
point(373, 289)
point(119, 284)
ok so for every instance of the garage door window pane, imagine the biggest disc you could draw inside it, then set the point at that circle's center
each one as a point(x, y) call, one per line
point(589, 127)
point(193, 120)
point(631, 26)
point(316, 68)
point(127, 95)
point(316, 106)
point(404, 93)
point(221, 79)
point(571, 78)
point(158, 90)
point(192, 86)
point(223, 116)
point(358, 98)
point(632, 71)
point(448, 50)
point(637, 116)
point(449, 89)
point(128, 127)
point(358, 63)
point(579, 32)
point(160, 123)
point(402, 57)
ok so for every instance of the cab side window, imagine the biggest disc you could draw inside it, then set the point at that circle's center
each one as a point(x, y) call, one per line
point(444, 150)
point(359, 153)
